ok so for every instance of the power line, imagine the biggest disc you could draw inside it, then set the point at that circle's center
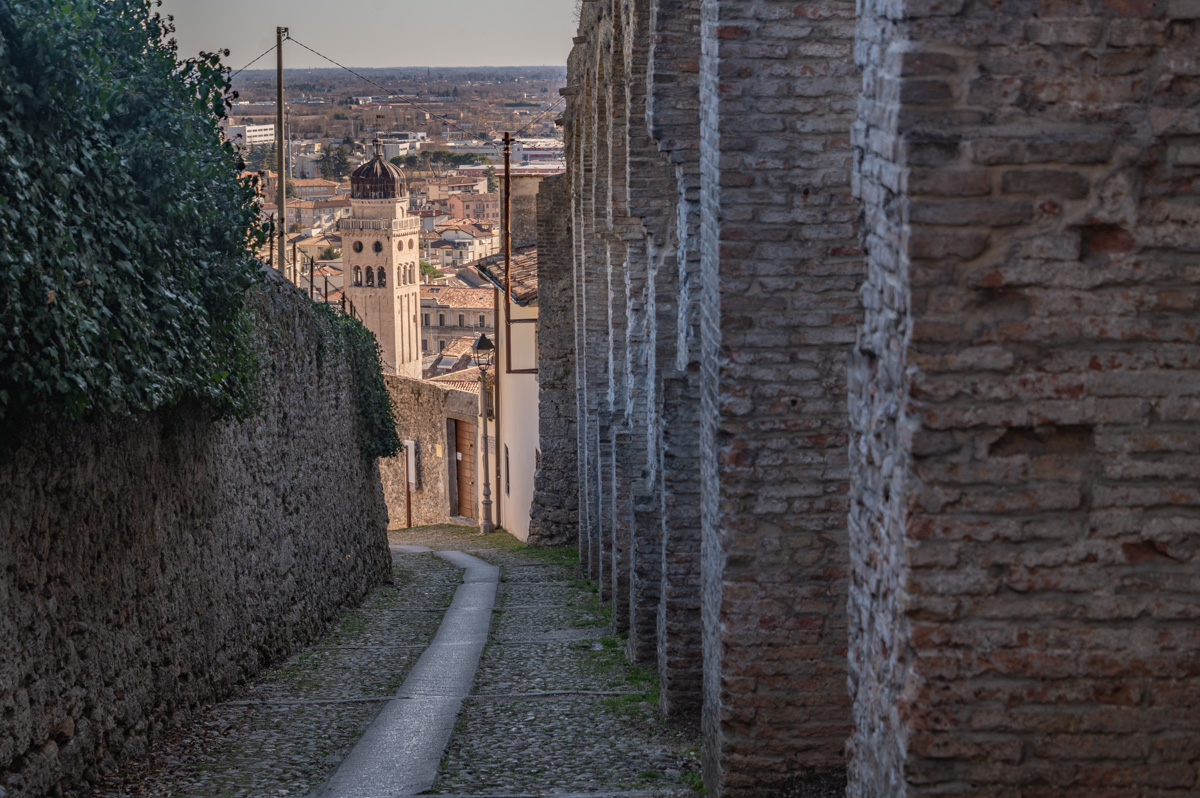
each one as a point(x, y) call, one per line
point(360, 76)
point(547, 112)
point(247, 66)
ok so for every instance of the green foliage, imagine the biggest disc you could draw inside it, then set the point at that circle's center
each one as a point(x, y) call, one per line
point(591, 613)
point(330, 253)
point(125, 233)
point(556, 555)
point(694, 780)
point(430, 271)
point(261, 158)
point(452, 160)
point(372, 405)
point(334, 163)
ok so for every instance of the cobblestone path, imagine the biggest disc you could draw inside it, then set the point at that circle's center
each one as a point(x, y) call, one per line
point(555, 709)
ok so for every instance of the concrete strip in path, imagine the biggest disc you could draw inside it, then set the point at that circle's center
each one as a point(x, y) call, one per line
point(401, 750)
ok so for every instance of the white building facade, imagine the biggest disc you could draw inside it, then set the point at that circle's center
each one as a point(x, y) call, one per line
point(245, 136)
point(517, 434)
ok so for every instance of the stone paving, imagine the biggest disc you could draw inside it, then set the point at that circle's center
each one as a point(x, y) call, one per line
point(555, 708)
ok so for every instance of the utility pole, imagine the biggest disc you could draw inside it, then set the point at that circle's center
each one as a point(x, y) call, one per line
point(287, 133)
point(506, 234)
point(280, 34)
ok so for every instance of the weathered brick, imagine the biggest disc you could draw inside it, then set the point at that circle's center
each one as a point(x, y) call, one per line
point(994, 212)
point(1059, 182)
point(915, 63)
point(925, 91)
point(1015, 485)
point(1005, 454)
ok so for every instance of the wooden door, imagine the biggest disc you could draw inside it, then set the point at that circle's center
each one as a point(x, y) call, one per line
point(465, 454)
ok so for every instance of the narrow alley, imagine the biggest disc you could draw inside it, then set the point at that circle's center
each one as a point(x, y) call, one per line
point(554, 708)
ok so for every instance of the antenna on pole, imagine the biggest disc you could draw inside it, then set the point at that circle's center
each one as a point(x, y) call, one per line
point(280, 35)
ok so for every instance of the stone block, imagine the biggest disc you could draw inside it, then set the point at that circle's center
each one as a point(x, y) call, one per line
point(1056, 182)
point(212, 549)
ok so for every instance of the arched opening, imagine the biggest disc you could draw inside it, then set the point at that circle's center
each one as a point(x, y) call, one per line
point(370, 276)
point(382, 278)
point(357, 276)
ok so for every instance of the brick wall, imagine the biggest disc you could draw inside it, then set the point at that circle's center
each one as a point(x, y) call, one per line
point(780, 271)
point(633, 129)
point(554, 516)
point(623, 198)
point(989, 539)
point(1025, 401)
point(672, 114)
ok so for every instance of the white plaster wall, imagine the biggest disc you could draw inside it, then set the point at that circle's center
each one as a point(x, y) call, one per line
point(518, 422)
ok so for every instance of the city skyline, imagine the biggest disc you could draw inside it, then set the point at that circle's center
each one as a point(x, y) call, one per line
point(518, 33)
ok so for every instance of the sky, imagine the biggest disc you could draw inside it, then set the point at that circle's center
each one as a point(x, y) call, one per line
point(379, 33)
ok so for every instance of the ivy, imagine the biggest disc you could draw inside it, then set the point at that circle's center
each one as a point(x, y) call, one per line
point(373, 405)
point(125, 231)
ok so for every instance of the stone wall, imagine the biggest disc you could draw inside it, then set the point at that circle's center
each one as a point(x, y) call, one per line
point(554, 515)
point(1026, 401)
point(150, 564)
point(421, 410)
point(884, 374)
point(524, 201)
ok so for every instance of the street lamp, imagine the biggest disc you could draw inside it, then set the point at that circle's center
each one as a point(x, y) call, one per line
point(483, 351)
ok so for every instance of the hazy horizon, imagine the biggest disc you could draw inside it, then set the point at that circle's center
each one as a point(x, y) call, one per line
point(376, 34)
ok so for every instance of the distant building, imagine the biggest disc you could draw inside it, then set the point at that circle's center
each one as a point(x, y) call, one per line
point(313, 188)
point(460, 242)
point(319, 214)
point(245, 136)
point(484, 207)
point(456, 356)
point(442, 187)
point(380, 267)
point(431, 218)
point(448, 312)
point(398, 149)
point(314, 246)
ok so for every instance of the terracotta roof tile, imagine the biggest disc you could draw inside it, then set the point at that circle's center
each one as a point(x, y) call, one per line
point(458, 298)
point(524, 272)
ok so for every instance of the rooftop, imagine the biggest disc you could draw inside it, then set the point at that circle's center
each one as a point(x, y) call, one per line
point(454, 297)
point(463, 380)
point(524, 273)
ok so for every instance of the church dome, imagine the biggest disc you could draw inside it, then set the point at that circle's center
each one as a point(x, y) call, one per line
point(377, 178)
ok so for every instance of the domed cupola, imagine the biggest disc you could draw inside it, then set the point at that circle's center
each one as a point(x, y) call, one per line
point(377, 178)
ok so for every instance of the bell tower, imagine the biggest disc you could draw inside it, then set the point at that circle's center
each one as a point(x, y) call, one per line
point(381, 263)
